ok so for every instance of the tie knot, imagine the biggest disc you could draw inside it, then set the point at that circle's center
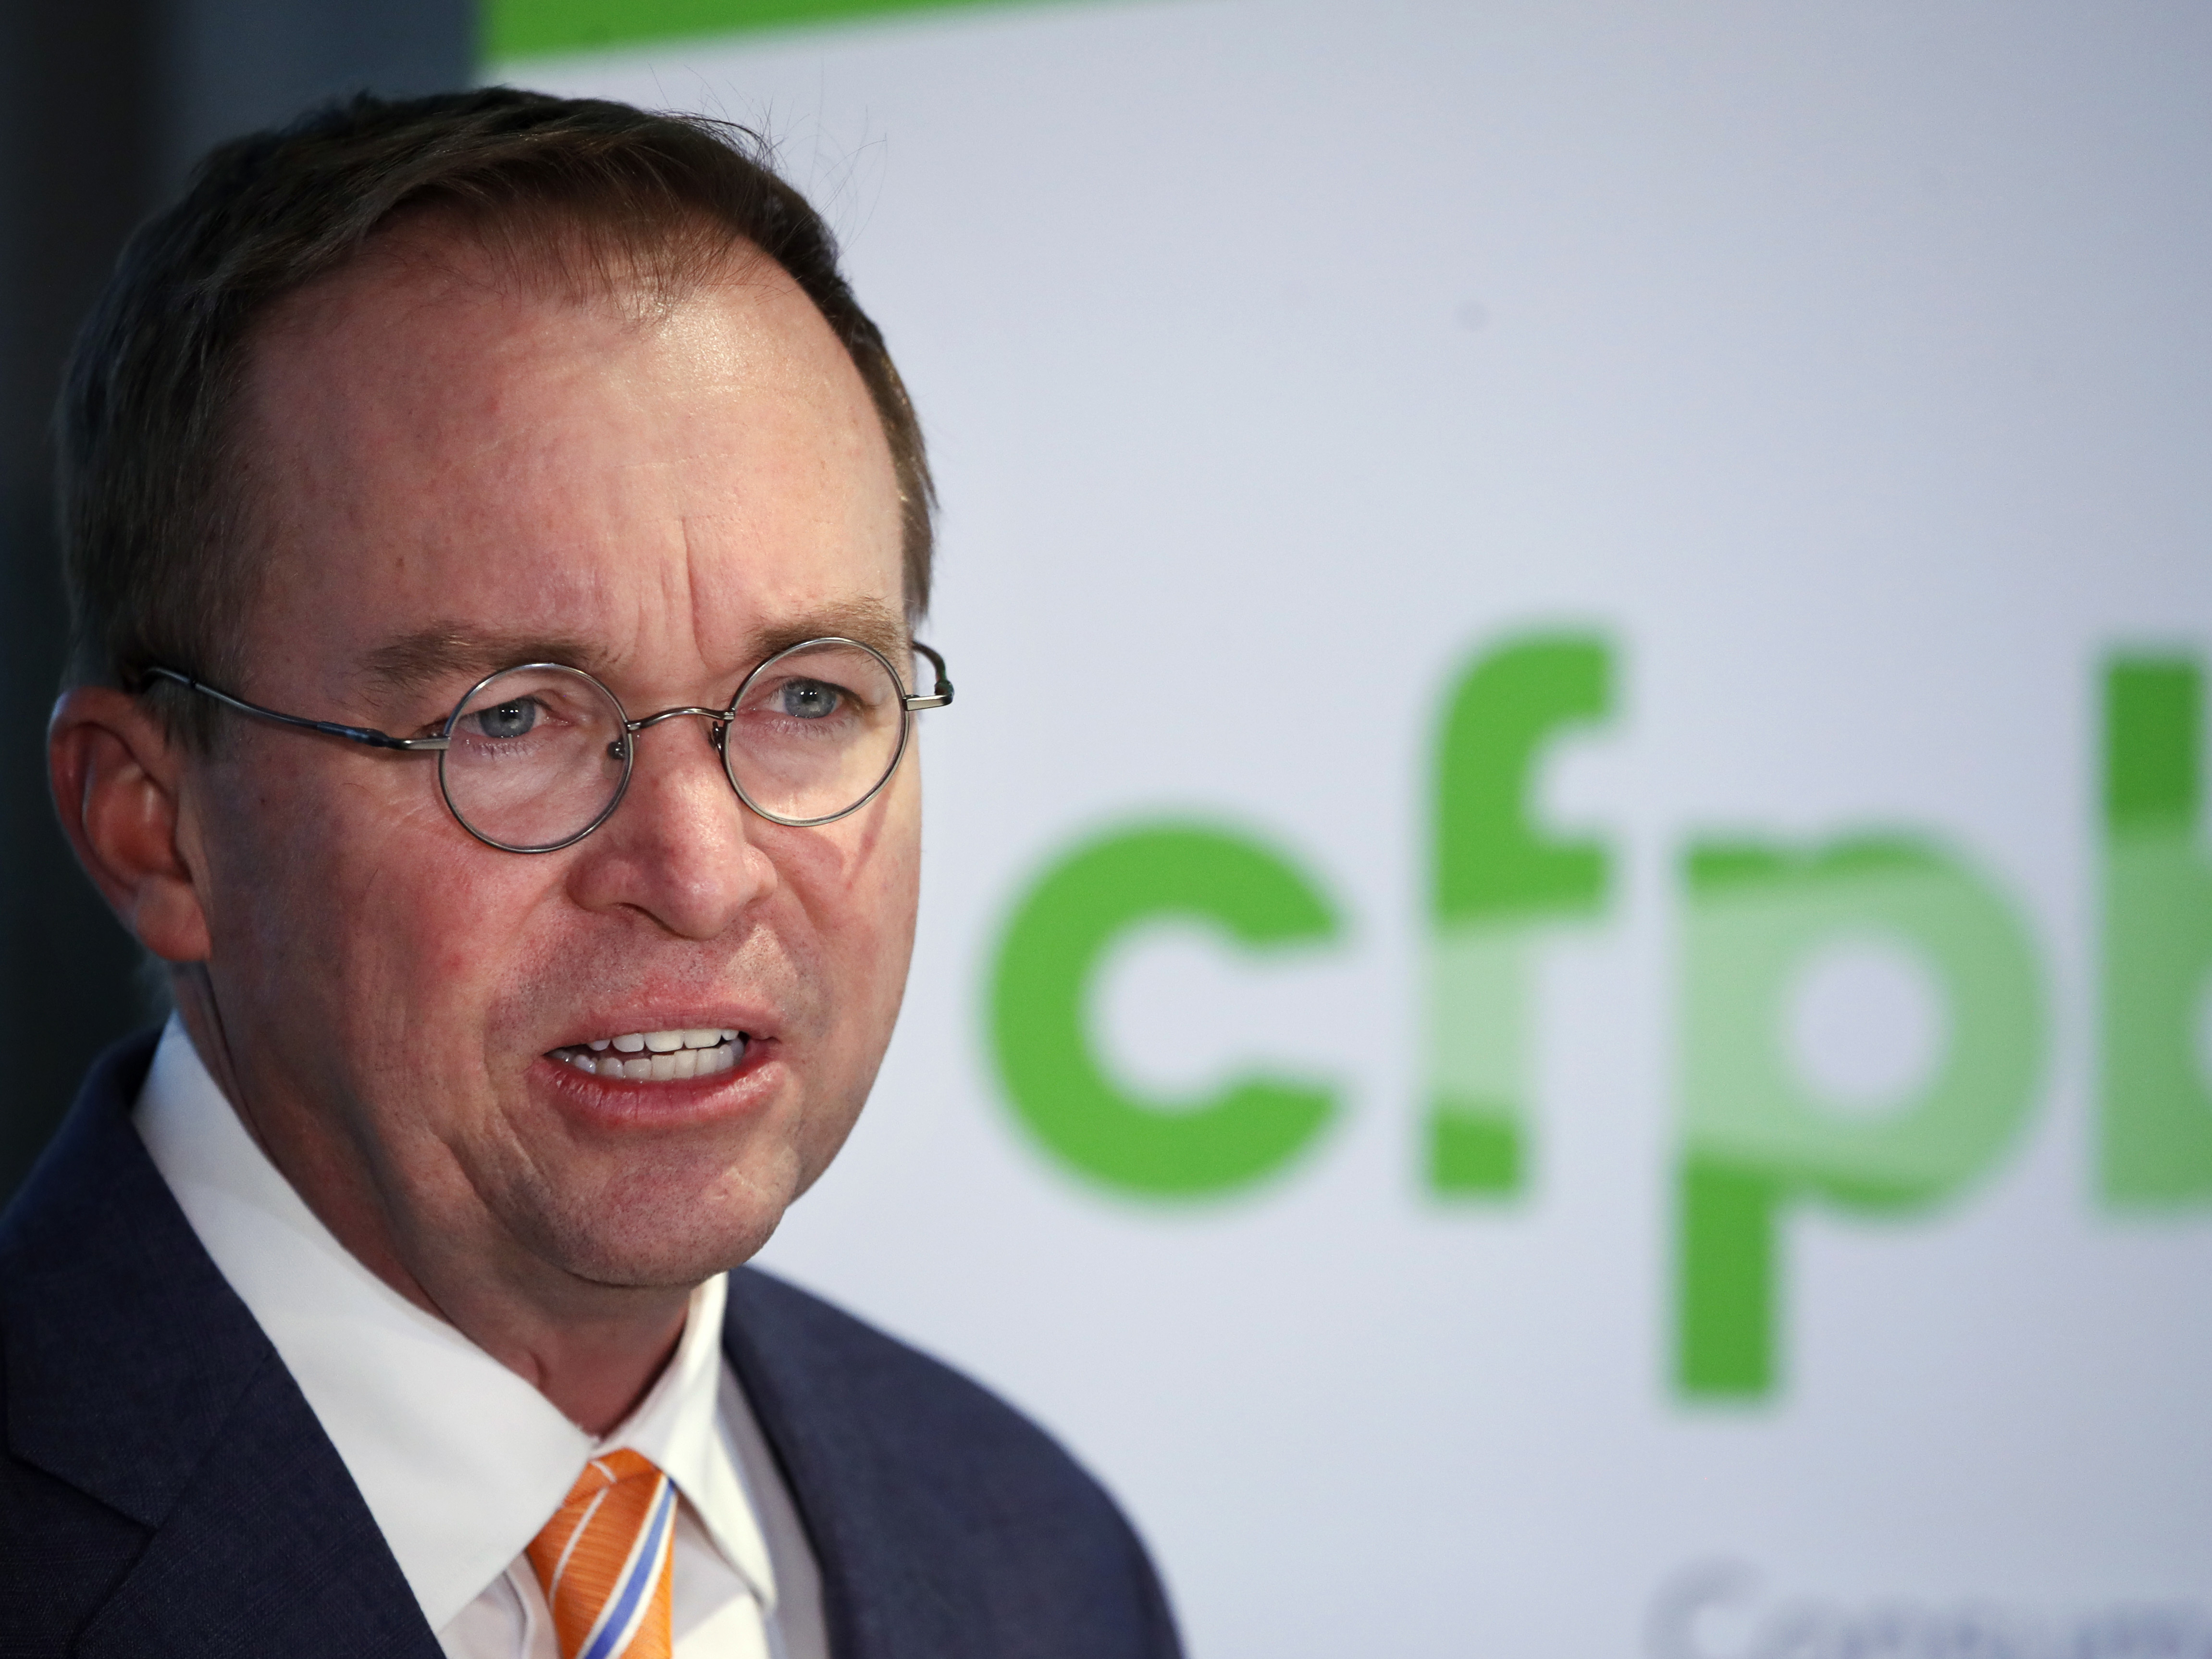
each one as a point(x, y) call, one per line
point(610, 1470)
point(603, 1561)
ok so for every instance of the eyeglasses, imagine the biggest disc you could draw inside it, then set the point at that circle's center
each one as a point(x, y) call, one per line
point(534, 758)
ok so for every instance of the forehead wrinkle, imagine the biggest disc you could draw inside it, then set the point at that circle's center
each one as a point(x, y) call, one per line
point(689, 596)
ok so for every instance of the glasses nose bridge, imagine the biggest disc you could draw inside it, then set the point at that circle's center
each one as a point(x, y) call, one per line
point(718, 721)
point(718, 718)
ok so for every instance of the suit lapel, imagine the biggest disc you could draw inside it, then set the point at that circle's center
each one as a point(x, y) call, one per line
point(136, 1375)
point(268, 1550)
point(886, 1593)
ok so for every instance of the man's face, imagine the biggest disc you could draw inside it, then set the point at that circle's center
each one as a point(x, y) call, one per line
point(453, 472)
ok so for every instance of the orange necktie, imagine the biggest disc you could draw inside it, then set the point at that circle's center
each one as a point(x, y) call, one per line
point(603, 1561)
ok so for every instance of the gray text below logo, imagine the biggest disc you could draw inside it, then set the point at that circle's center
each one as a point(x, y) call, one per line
point(1721, 1610)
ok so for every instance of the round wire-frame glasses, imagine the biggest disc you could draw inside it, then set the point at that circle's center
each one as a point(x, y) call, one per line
point(535, 758)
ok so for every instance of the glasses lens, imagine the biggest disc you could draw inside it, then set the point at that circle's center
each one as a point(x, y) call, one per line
point(814, 732)
point(534, 757)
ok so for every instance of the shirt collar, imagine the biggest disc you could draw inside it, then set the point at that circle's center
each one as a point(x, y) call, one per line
point(459, 1460)
point(677, 1426)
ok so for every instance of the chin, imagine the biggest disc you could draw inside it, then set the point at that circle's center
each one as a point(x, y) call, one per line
point(669, 1240)
point(628, 1261)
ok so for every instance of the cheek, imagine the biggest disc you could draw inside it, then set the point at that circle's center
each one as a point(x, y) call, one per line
point(860, 892)
point(352, 898)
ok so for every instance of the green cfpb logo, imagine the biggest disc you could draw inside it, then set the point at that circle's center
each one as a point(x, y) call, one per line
point(1755, 1140)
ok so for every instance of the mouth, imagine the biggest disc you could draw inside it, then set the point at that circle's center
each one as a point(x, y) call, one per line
point(656, 1056)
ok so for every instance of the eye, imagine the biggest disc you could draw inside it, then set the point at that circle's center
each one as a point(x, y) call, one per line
point(808, 700)
point(506, 719)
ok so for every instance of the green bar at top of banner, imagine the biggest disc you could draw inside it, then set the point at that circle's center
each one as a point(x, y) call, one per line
point(537, 28)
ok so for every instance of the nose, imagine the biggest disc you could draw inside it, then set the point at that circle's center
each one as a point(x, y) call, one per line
point(680, 848)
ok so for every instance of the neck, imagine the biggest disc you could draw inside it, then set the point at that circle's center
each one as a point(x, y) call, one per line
point(593, 1350)
point(595, 1370)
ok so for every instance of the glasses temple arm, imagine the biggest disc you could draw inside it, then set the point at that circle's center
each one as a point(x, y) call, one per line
point(942, 698)
point(363, 734)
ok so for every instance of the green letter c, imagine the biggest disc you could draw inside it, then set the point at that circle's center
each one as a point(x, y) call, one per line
point(1039, 989)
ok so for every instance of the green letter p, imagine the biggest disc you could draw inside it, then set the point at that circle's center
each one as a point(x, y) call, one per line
point(1758, 1140)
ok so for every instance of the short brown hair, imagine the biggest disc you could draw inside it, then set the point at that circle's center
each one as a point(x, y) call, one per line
point(152, 525)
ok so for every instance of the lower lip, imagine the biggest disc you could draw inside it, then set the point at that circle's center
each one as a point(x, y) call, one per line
point(617, 1102)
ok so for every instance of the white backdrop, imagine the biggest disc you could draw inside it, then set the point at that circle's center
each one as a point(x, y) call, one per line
point(1841, 374)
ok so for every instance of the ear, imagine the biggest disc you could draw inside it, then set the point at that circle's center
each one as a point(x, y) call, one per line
point(116, 778)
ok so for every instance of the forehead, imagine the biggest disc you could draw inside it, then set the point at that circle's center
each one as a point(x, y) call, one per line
point(437, 443)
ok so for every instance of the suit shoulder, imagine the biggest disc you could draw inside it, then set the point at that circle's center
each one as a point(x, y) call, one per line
point(886, 1391)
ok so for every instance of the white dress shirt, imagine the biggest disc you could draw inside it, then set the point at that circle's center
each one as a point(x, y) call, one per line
point(459, 1460)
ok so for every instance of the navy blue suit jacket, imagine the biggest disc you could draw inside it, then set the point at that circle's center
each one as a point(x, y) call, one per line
point(167, 1490)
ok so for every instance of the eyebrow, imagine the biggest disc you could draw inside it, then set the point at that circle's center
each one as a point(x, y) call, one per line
point(428, 656)
point(446, 651)
point(869, 621)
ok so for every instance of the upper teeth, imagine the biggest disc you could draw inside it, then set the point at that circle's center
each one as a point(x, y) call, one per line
point(665, 1042)
point(662, 1055)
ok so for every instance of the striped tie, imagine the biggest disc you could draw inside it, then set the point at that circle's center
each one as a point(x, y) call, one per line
point(603, 1561)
